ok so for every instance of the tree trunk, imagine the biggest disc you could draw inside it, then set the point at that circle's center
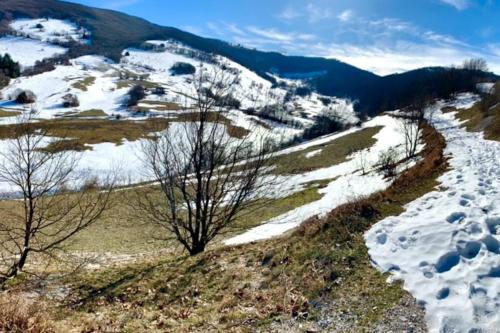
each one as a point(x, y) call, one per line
point(16, 267)
point(197, 249)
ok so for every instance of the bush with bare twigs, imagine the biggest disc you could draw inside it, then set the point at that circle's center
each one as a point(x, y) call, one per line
point(47, 214)
point(17, 315)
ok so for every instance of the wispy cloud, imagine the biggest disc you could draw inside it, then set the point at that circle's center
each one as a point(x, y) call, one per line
point(346, 15)
point(402, 57)
point(271, 34)
point(289, 13)
point(384, 45)
point(458, 4)
point(392, 24)
point(316, 13)
point(119, 4)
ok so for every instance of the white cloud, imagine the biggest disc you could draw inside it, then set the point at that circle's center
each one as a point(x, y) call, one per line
point(393, 24)
point(118, 4)
point(458, 4)
point(442, 39)
point(192, 29)
point(289, 13)
point(216, 29)
point(273, 35)
point(383, 46)
point(316, 13)
point(401, 57)
point(346, 15)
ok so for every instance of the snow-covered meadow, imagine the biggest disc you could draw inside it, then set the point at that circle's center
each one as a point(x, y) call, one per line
point(36, 39)
point(28, 51)
point(446, 245)
point(50, 30)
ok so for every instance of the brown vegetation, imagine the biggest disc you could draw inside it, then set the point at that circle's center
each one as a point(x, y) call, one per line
point(19, 315)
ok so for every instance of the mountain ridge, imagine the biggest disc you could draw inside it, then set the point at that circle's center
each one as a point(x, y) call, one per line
point(373, 93)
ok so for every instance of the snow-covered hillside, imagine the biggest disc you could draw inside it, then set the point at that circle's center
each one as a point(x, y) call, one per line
point(28, 51)
point(446, 246)
point(100, 84)
point(36, 39)
point(50, 30)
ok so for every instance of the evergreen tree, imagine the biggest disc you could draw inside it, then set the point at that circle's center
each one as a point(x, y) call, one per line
point(9, 67)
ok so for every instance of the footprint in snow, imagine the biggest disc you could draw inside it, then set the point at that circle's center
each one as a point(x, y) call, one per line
point(493, 225)
point(456, 217)
point(464, 203)
point(447, 262)
point(443, 293)
point(469, 250)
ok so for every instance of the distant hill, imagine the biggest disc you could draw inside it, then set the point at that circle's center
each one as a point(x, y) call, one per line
point(113, 31)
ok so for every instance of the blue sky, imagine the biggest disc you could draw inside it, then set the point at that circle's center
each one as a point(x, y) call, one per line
point(384, 36)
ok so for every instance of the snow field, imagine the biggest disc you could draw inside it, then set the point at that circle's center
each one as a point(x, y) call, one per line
point(446, 245)
point(28, 51)
point(49, 30)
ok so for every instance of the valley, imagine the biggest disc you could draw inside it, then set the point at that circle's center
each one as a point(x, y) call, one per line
point(158, 181)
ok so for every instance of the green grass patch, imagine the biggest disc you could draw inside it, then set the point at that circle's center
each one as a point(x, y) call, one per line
point(484, 116)
point(90, 131)
point(332, 153)
point(130, 83)
point(84, 83)
point(5, 113)
point(93, 113)
point(160, 106)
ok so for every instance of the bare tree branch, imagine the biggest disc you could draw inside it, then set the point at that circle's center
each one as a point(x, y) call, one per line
point(205, 176)
point(47, 214)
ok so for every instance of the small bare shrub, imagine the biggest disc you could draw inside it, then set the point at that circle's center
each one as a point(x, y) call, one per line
point(70, 101)
point(18, 315)
point(387, 162)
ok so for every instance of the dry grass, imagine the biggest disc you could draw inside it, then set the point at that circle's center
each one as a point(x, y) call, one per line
point(130, 83)
point(84, 131)
point(332, 153)
point(160, 106)
point(19, 315)
point(6, 113)
point(92, 113)
point(84, 83)
point(484, 116)
point(91, 131)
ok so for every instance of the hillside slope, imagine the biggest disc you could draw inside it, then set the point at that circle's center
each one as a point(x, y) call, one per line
point(107, 29)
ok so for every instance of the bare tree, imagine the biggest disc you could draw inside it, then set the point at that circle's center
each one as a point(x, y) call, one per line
point(47, 213)
point(206, 177)
point(412, 122)
point(476, 64)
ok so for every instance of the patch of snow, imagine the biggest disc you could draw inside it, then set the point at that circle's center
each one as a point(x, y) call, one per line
point(486, 87)
point(49, 30)
point(314, 153)
point(28, 51)
point(446, 245)
point(50, 87)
